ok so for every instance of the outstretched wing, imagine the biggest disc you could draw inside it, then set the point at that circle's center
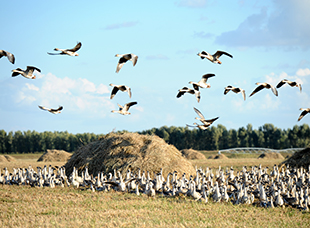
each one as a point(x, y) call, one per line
point(199, 113)
point(281, 83)
point(258, 88)
point(44, 108)
point(303, 113)
point(114, 91)
point(220, 53)
point(76, 48)
point(128, 105)
point(32, 68)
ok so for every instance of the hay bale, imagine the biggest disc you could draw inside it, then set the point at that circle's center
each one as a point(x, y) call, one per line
point(271, 155)
point(192, 154)
point(122, 151)
point(299, 159)
point(218, 156)
point(9, 158)
point(6, 158)
point(55, 156)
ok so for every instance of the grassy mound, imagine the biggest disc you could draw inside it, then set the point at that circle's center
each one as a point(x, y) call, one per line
point(192, 154)
point(6, 158)
point(218, 156)
point(55, 156)
point(299, 159)
point(129, 150)
point(271, 155)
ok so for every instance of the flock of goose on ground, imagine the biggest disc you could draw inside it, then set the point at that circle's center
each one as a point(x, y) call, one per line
point(257, 186)
point(28, 73)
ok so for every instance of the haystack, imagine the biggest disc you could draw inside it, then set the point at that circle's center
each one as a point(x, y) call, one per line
point(6, 158)
point(271, 155)
point(218, 156)
point(55, 156)
point(122, 151)
point(299, 159)
point(192, 154)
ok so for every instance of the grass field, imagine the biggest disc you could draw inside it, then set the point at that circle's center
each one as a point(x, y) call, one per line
point(23, 206)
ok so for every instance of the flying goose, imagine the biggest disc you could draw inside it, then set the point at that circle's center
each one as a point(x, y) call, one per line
point(71, 52)
point(203, 82)
point(215, 57)
point(292, 84)
point(122, 88)
point(201, 127)
point(7, 54)
point(264, 85)
point(124, 110)
point(28, 73)
point(124, 58)
point(303, 113)
point(54, 111)
point(202, 118)
point(191, 91)
point(235, 90)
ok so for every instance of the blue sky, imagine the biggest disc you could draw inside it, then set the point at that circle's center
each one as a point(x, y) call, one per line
point(269, 41)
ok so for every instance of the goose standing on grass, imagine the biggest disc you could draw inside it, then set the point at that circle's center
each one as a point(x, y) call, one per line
point(202, 118)
point(124, 58)
point(28, 73)
point(122, 88)
point(124, 110)
point(266, 86)
point(292, 84)
point(191, 91)
point(215, 57)
point(235, 90)
point(303, 113)
point(7, 54)
point(54, 111)
point(203, 82)
point(71, 52)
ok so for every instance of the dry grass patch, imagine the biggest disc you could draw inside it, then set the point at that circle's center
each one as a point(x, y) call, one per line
point(55, 156)
point(122, 151)
point(192, 154)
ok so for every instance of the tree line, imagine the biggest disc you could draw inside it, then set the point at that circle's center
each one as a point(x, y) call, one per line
point(214, 138)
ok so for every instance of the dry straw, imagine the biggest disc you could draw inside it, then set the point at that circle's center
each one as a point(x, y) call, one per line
point(6, 158)
point(192, 154)
point(299, 159)
point(123, 151)
point(55, 156)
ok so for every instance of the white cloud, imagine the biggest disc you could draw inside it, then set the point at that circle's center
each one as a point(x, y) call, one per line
point(76, 95)
point(286, 26)
point(303, 72)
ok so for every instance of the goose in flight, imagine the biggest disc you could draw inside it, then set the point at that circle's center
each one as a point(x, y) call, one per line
point(71, 52)
point(215, 57)
point(203, 82)
point(124, 110)
point(122, 88)
point(28, 73)
point(191, 91)
point(202, 118)
point(124, 58)
point(303, 113)
point(264, 85)
point(201, 127)
point(7, 54)
point(293, 84)
point(235, 90)
point(51, 110)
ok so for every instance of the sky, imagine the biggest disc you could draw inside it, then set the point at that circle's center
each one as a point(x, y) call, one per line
point(269, 41)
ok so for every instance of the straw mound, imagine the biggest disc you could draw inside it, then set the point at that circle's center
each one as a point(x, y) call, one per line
point(55, 156)
point(218, 156)
point(192, 154)
point(299, 159)
point(6, 158)
point(129, 150)
point(271, 155)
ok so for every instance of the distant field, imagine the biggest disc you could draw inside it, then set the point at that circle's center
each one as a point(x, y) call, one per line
point(23, 206)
